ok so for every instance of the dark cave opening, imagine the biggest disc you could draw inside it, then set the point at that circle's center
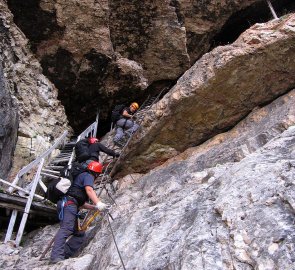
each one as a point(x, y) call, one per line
point(256, 13)
point(36, 23)
point(82, 93)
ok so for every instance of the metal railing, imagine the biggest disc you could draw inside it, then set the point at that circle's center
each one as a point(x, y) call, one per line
point(91, 131)
point(40, 161)
point(44, 155)
point(272, 9)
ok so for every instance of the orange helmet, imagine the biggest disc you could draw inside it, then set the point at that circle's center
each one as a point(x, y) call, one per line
point(95, 167)
point(92, 140)
point(135, 105)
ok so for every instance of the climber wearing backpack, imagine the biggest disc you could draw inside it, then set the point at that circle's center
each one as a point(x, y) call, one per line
point(89, 148)
point(125, 124)
point(80, 191)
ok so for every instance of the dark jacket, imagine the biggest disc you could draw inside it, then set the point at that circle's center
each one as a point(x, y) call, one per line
point(95, 148)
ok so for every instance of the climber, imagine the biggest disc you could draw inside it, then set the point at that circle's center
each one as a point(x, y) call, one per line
point(126, 124)
point(80, 191)
point(89, 148)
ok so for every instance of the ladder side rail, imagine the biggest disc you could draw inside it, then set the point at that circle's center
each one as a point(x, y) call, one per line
point(21, 189)
point(87, 131)
point(81, 136)
point(143, 104)
point(37, 160)
point(29, 203)
point(96, 124)
point(272, 9)
point(11, 226)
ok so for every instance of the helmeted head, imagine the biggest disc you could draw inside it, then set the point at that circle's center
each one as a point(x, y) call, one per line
point(92, 140)
point(134, 106)
point(95, 167)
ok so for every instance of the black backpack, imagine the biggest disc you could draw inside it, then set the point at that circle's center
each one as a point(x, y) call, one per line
point(57, 188)
point(117, 112)
point(74, 171)
point(82, 151)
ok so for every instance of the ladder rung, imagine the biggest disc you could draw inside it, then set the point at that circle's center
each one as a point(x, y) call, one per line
point(54, 167)
point(50, 171)
point(63, 156)
point(50, 175)
point(59, 161)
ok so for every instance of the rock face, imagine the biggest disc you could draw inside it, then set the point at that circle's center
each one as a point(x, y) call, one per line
point(8, 125)
point(217, 92)
point(228, 204)
point(41, 116)
point(81, 44)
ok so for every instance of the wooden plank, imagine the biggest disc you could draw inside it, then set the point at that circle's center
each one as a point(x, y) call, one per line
point(28, 205)
point(18, 200)
point(38, 213)
point(10, 226)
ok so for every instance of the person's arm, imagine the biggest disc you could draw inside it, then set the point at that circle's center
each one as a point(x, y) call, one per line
point(88, 206)
point(108, 151)
point(88, 185)
point(92, 195)
point(126, 114)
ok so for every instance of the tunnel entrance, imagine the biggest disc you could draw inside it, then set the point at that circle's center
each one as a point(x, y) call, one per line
point(257, 13)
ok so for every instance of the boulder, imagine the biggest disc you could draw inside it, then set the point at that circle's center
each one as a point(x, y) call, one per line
point(222, 88)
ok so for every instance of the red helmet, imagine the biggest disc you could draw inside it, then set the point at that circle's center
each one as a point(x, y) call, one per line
point(95, 167)
point(92, 140)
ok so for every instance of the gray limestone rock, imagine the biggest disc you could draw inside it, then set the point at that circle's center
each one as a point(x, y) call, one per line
point(42, 118)
point(221, 89)
point(234, 215)
point(8, 125)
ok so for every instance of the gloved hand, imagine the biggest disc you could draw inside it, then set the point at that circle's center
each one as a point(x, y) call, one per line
point(116, 155)
point(102, 206)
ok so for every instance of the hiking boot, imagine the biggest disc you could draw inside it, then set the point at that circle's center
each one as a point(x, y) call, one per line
point(56, 260)
point(119, 143)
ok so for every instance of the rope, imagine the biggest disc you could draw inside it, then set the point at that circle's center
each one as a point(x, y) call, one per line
point(116, 243)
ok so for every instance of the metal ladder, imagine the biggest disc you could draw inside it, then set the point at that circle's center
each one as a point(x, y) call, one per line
point(47, 166)
point(146, 105)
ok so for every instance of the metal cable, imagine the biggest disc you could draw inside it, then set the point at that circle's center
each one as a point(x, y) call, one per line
point(116, 243)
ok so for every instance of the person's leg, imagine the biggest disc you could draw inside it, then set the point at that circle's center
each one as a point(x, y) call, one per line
point(132, 129)
point(74, 243)
point(119, 134)
point(121, 125)
point(67, 228)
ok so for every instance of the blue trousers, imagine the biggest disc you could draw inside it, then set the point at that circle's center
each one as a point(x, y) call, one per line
point(63, 249)
point(125, 126)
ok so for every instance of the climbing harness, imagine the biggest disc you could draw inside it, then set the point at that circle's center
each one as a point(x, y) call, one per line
point(64, 203)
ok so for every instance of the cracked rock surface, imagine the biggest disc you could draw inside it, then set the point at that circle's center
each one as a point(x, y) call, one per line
point(189, 214)
point(221, 89)
point(41, 116)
